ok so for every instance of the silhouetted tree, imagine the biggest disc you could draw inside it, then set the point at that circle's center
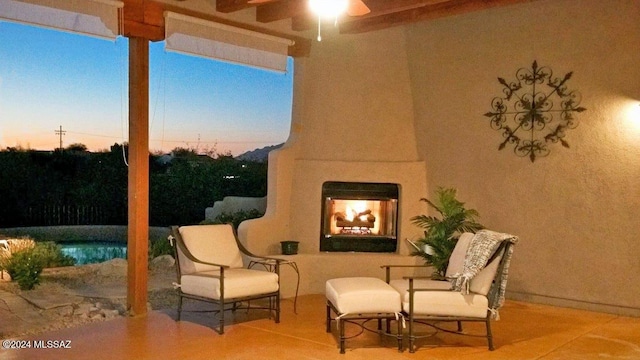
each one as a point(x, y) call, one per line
point(182, 184)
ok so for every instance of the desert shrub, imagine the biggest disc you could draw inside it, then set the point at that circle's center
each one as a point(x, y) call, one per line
point(24, 267)
point(24, 259)
point(51, 255)
point(159, 247)
point(12, 246)
point(15, 245)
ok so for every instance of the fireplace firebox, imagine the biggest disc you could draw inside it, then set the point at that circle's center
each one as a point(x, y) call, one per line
point(359, 217)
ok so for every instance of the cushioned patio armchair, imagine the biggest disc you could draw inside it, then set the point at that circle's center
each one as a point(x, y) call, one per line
point(210, 267)
point(472, 290)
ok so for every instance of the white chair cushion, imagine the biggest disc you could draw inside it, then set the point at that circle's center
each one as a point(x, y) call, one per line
point(210, 243)
point(449, 303)
point(362, 295)
point(456, 260)
point(441, 303)
point(481, 283)
point(237, 283)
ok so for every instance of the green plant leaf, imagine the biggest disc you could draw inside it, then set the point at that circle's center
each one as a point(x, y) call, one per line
point(441, 234)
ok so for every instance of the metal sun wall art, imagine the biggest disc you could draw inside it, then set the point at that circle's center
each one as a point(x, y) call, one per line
point(536, 110)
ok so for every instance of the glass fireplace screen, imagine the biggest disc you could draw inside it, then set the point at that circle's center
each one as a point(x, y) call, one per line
point(359, 217)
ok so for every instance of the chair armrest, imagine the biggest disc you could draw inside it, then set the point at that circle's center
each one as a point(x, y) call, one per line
point(418, 277)
point(413, 289)
point(402, 266)
point(267, 259)
point(431, 277)
point(388, 269)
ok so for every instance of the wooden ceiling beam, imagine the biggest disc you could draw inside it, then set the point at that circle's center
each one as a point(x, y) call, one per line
point(421, 13)
point(228, 6)
point(141, 20)
point(382, 7)
point(280, 10)
point(145, 19)
point(303, 20)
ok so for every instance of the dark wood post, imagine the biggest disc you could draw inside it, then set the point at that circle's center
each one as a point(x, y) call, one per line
point(138, 192)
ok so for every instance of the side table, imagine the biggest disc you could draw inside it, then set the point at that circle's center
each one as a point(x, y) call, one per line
point(270, 265)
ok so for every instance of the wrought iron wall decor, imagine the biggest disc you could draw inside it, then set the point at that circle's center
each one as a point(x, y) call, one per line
point(536, 110)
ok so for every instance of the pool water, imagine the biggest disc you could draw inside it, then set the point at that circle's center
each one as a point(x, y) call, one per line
point(94, 251)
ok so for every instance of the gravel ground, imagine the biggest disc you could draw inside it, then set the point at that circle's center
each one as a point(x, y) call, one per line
point(76, 280)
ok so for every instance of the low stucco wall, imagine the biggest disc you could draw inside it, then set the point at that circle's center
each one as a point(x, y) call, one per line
point(81, 233)
point(232, 204)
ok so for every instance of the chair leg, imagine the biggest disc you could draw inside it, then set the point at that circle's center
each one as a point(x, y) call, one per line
point(328, 321)
point(272, 308)
point(179, 307)
point(489, 335)
point(398, 334)
point(221, 317)
point(412, 337)
point(277, 307)
point(459, 326)
point(342, 337)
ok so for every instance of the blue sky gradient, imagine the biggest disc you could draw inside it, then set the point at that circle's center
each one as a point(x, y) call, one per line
point(50, 78)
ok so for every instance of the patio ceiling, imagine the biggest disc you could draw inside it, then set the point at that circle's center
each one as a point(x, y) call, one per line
point(145, 19)
point(384, 13)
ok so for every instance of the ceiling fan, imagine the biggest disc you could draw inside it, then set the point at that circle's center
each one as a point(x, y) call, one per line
point(354, 7)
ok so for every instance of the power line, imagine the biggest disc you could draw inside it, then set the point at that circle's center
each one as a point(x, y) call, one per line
point(61, 133)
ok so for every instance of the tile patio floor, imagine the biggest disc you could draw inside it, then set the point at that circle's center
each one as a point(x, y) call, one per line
point(525, 331)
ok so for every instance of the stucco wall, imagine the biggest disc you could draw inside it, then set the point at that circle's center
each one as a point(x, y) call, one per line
point(359, 98)
point(352, 121)
point(575, 210)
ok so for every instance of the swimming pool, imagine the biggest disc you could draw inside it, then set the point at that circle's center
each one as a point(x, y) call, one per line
point(91, 252)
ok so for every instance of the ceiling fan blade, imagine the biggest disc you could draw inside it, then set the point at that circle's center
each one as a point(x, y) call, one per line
point(357, 8)
point(258, 1)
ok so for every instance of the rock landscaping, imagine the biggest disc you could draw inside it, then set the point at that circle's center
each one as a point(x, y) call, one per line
point(76, 295)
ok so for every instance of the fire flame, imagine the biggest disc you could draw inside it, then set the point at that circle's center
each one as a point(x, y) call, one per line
point(358, 208)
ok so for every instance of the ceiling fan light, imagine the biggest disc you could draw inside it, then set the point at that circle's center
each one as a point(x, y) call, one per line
point(329, 9)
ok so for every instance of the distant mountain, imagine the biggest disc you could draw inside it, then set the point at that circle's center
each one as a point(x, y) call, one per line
point(259, 155)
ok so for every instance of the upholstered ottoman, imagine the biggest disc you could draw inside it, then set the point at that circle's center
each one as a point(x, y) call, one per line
point(360, 298)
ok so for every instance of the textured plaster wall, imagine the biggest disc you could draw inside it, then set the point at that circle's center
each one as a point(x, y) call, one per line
point(575, 211)
point(355, 123)
point(352, 121)
point(359, 99)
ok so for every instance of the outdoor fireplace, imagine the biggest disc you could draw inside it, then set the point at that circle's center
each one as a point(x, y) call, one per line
point(359, 217)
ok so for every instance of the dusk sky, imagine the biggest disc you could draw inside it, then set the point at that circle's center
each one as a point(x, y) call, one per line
point(51, 78)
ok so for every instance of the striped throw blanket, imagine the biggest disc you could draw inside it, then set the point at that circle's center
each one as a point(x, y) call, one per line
point(483, 245)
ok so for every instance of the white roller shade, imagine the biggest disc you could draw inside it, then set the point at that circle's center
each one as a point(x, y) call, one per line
point(91, 17)
point(208, 39)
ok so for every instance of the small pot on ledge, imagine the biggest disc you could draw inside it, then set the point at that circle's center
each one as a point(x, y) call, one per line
point(289, 247)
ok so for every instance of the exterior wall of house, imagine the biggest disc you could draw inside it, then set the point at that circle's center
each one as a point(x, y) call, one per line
point(352, 121)
point(358, 99)
point(575, 210)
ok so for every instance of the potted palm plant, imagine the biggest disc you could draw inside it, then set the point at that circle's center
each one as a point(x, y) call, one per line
point(441, 233)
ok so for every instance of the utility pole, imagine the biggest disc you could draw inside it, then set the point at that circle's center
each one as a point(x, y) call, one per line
point(61, 133)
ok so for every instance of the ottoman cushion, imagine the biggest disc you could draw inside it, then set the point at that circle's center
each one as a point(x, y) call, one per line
point(362, 295)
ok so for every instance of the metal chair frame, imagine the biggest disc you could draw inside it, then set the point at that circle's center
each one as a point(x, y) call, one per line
point(430, 319)
point(273, 297)
point(342, 319)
